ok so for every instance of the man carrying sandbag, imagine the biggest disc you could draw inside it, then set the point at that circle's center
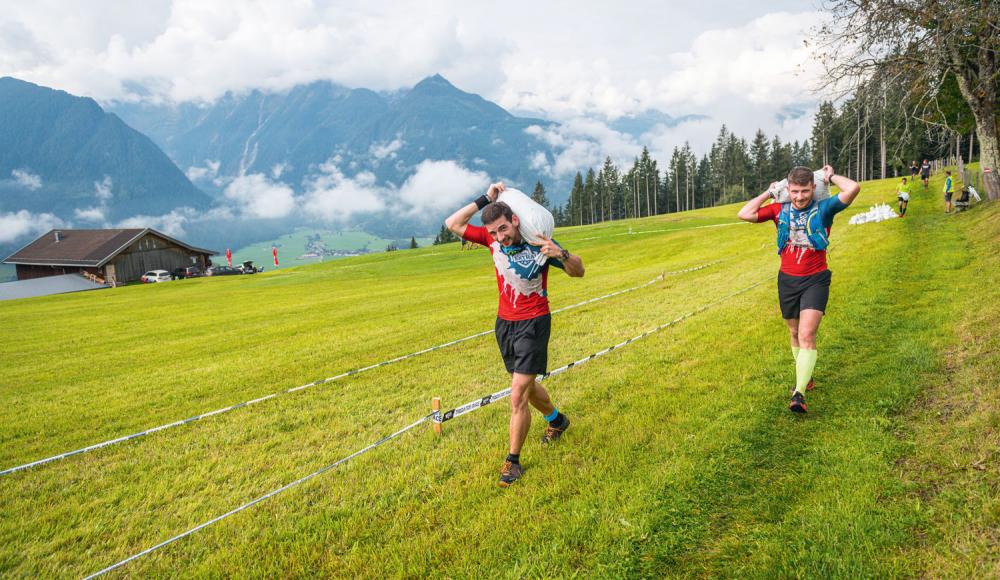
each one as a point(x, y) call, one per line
point(803, 225)
point(523, 320)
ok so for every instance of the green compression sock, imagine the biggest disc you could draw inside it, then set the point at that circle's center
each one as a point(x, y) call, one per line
point(795, 353)
point(804, 365)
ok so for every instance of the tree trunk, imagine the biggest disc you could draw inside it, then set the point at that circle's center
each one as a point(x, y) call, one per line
point(989, 155)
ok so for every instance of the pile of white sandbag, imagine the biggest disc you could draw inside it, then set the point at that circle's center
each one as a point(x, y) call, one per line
point(877, 213)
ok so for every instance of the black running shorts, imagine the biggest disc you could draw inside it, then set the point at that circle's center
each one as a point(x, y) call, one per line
point(797, 293)
point(524, 344)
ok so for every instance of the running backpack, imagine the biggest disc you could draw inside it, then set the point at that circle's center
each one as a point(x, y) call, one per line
point(815, 230)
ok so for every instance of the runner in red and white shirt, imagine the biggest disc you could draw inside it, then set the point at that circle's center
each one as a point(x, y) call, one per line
point(523, 320)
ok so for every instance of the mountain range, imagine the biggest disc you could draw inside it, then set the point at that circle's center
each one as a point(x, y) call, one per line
point(290, 134)
point(61, 153)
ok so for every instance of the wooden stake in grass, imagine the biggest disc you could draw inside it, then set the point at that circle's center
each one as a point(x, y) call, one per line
point(436, 407)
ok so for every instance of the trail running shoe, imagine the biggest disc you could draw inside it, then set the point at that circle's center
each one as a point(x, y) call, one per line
point(553, 434)
point(798, 403)
point(510, 473)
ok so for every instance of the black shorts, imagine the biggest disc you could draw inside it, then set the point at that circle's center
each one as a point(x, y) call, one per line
point(797, 293)
point(947, 197)
point(524, 344)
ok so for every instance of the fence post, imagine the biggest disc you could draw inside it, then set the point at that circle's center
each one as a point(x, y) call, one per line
point(436, 407)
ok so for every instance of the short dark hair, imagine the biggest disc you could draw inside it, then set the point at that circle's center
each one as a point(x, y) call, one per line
point(947, 172)
point(496, 210)
point(800, 175)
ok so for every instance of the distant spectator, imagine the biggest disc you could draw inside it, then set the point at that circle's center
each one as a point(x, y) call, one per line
point(914, 170)
point(947, 192)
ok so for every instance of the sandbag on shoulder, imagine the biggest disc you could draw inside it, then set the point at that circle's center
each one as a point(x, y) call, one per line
point(535, 219)
point(822, 188)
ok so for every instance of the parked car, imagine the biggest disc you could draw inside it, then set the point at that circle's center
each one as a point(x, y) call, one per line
point(188, 272)
point(154, 276)
point(222, 271)
point(248, 268)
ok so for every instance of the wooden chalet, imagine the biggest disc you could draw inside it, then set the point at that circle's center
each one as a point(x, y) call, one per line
point(105, 256)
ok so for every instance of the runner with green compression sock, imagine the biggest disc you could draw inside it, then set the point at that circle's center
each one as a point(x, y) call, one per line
point(804, 279)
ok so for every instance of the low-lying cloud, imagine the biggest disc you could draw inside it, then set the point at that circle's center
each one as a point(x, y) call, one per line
point(437, 186)
point(26, 179)
point(24, 224)
point(257, 196)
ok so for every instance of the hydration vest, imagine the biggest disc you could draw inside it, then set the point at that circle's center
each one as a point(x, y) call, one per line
point(815, 230)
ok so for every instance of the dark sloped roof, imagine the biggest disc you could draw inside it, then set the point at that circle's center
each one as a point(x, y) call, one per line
point(85, 247)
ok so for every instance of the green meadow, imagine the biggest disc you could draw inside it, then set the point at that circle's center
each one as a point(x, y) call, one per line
point(683, 459)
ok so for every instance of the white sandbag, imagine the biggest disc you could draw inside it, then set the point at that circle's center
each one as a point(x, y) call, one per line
point(822, 188)
point(535, 220)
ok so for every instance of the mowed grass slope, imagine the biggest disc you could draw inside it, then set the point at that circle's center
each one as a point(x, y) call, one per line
point(683, 459)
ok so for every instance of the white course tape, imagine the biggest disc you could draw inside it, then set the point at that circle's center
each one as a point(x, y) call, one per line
point(261, 498)
point(440, 417)
point(353, 372)
point(658, 231)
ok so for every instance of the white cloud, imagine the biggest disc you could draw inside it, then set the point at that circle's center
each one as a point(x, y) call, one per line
point(171, 223)
point(90, 214)
point(729, 58)
point(382, 150)
point(209, 172)
point(581, 143)
point(277, 170)
point(102, 189)
point(539, 161)
point(26, 179)
point(331, 196)
point(22, 224)
point(257, 196)
point(437, 186)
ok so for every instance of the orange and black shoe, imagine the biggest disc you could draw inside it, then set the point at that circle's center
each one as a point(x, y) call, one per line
point(798, 403)
point(552, 434)
point(510, 473)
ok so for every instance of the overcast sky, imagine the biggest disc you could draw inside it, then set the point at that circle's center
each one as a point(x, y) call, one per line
point(742, 63)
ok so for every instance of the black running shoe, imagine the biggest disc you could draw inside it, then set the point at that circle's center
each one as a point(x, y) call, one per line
point(798, 403)
point(552, 434)
point(510, 473)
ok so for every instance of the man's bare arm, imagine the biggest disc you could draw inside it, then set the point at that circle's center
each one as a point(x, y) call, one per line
point(748, 212)
point(459, 221)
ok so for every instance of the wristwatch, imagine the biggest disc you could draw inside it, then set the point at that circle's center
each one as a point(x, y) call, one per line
point(565, 254)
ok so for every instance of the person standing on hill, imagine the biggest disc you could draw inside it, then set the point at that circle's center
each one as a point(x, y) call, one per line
point(914, 170)
point(903, 195)
point(523, 320)
point(804, 279)
point(947, 192)
point(925, 172)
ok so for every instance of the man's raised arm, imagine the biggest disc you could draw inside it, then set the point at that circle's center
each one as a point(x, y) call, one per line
point(849, 188)
point(458, 221)
point(749, 211)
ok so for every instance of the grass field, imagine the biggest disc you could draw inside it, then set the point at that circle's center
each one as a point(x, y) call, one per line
point(683, 459)
point(293, 247)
